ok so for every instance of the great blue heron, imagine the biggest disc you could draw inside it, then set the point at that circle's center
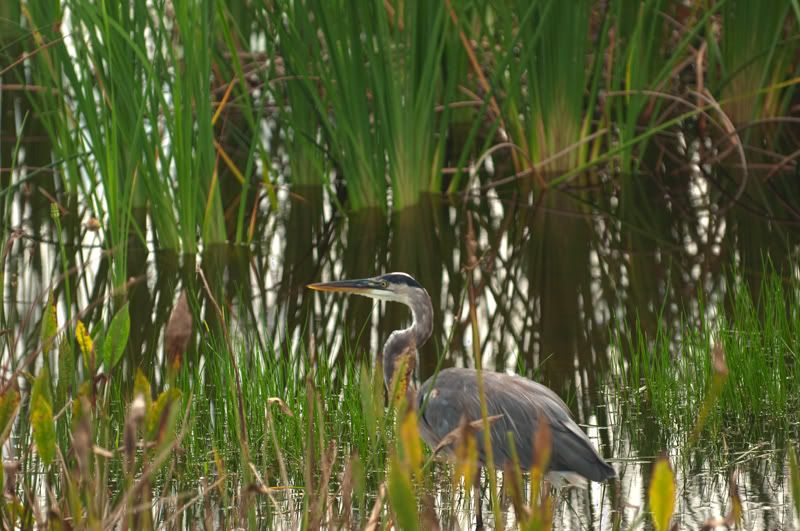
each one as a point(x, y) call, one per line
point(452, 394)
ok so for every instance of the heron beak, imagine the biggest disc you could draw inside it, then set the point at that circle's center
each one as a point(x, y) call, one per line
point(364, 286)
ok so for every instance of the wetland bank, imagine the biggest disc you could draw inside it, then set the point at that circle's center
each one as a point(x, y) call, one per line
point(603, 197)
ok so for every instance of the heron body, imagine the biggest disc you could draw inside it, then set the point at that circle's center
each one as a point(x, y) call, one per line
point(451, 396)
point(518, 403)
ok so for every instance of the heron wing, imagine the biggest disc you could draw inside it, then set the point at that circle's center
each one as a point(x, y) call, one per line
point(453, 395)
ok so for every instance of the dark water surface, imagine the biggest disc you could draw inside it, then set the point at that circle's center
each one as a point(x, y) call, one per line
point(558, 276)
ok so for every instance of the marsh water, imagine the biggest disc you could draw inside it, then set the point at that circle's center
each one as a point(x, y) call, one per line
point(559, 277)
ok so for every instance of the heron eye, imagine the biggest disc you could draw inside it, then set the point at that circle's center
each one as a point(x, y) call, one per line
point(384, 284)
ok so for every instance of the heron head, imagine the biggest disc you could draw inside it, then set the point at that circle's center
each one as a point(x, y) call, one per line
point(397, 287)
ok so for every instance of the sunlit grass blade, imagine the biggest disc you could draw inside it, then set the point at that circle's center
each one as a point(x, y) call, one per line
point(794, 479)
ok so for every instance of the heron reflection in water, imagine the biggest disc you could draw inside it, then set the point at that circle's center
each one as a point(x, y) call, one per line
point(452, 394)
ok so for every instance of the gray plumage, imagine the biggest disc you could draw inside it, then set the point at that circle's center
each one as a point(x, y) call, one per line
point(452, 394)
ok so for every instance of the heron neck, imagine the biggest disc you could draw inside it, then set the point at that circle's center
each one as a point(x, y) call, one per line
point(408, 340)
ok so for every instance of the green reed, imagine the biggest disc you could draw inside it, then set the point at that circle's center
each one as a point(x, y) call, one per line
point(564, 95)
point(753, 343)
point(547, 83)
point(639, 78)
point(357, 150)
point(152, 439)
point(374, 80)
point(144, 130)
point(102, 127)
point(125, 98)
point(753, 52)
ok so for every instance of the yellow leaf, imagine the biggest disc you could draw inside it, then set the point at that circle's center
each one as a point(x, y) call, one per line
point(84, 340)
point(466, 454)
point(403, 372)
point(86, 345)
point(157, 418)
point(662, 494)
point(409, 439)
point(9, 405)
point(44, 429)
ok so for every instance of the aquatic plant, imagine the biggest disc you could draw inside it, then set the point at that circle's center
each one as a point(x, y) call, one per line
point(169, 124)
point(547, 81)
point(749, 54)
point(143, 147)
point(374, 80)
point(752, 347)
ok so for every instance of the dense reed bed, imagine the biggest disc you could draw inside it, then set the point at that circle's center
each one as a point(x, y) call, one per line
point(183, 118)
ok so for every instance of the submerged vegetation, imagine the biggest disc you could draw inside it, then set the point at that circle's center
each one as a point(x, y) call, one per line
point(166, 146)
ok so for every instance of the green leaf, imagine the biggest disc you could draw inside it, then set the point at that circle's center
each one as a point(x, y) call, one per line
point(44, 430)
point(99, 343)
point(401, 496)
point(117, 338)
point(14, 511)
point(359, 478)
point(49, 325)
point(662, 494)
point(9, 406)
